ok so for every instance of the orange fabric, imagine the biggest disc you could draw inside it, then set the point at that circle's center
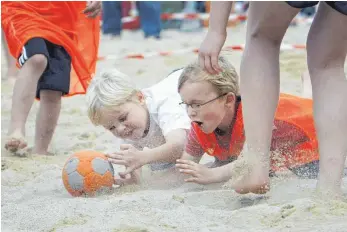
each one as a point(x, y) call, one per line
point(61, 23)
point(291, 109)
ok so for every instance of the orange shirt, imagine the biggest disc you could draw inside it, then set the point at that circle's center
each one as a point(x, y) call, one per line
point(61, 23)
point(293, 139)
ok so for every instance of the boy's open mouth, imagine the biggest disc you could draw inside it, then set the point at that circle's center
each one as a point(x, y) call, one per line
point(198, 122)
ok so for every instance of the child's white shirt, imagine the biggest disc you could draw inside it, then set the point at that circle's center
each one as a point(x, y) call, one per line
point(165, 113)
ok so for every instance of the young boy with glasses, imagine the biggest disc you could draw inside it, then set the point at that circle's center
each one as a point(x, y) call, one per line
point(214, 105)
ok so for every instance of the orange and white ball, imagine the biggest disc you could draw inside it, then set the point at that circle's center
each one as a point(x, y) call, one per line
point(87, 173)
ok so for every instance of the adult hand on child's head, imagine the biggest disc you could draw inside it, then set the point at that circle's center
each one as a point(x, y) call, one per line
point(128, 156)
point(209, 51)
point(93, 9)
point(198, 173)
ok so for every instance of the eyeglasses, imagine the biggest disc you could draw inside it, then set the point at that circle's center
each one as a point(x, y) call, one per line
point(198, 105)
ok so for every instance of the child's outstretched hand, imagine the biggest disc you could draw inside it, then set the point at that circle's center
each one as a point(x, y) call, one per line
point(93, 9)
point(128, 179)
point(209, 51)
point(128, 156)
point(198, 173)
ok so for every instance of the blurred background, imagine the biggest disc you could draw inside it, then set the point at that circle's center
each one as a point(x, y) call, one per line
point(153, 16)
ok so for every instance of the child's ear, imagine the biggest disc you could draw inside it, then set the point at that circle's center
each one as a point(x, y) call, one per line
point(140, 97)
point(230, 100)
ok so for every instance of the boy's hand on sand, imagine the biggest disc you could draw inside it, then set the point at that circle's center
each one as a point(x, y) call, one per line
point(93, 9)
point(131, 178)
point(128, 156)
point(209, 51)
point(198, 173)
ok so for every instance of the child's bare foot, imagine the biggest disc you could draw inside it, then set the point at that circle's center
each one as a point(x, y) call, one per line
point(250, 174)
point(15, 141)
point(35, 151)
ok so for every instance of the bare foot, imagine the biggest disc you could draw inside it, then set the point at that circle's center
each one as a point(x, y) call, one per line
point(326, 189)
point(35, 151)
point(31, 152)
point(250, 174)
point(15, 141)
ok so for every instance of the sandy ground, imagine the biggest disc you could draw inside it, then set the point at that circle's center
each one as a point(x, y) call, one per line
point(34, 198)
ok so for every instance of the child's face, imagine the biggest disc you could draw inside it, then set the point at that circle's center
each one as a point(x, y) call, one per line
point(204, 105)
point(128, 121)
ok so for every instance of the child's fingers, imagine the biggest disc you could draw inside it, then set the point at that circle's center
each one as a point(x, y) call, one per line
point(184, 166)
point(188, 171)
point(118, 161)
point(124, 176)
point(115, 156)
point(188, 162)
point(127, 171)
point(118, 181)
point(125, 146)
point(192, 179)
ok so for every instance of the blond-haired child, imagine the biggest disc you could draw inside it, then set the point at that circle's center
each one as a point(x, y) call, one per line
point(149, 118)
point(214, 105)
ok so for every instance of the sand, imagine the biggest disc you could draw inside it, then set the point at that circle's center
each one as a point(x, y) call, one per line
point(34, 198)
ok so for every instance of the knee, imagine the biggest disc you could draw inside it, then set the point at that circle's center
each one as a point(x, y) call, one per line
point(324, 56)
point(266, 36)
point(38, 62)
point(50, 97)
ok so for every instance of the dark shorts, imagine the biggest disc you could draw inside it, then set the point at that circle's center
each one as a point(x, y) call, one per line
point(310, 170)
point(306, 171)
point(57, 73)
point(340, 6)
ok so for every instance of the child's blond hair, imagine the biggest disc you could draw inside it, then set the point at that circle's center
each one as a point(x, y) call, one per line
point(225, 82)
point(109, 90)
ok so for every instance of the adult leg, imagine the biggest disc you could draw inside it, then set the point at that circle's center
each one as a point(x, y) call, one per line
point(306, 87)
point(149, 12)
point(326, 55)
point(111, 17)
point(266, 26)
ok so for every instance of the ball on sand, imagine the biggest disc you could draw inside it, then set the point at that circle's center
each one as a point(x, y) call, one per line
point(87, 173)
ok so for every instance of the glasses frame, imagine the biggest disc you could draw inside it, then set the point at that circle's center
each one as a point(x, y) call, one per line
point(197, 106)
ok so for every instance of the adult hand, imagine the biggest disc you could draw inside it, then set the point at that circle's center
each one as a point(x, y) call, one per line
point(92, 9)
point(209, 51)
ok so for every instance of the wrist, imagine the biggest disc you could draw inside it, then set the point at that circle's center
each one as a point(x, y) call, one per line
point(145, 157)
point(217, 31)
point(221, 174)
